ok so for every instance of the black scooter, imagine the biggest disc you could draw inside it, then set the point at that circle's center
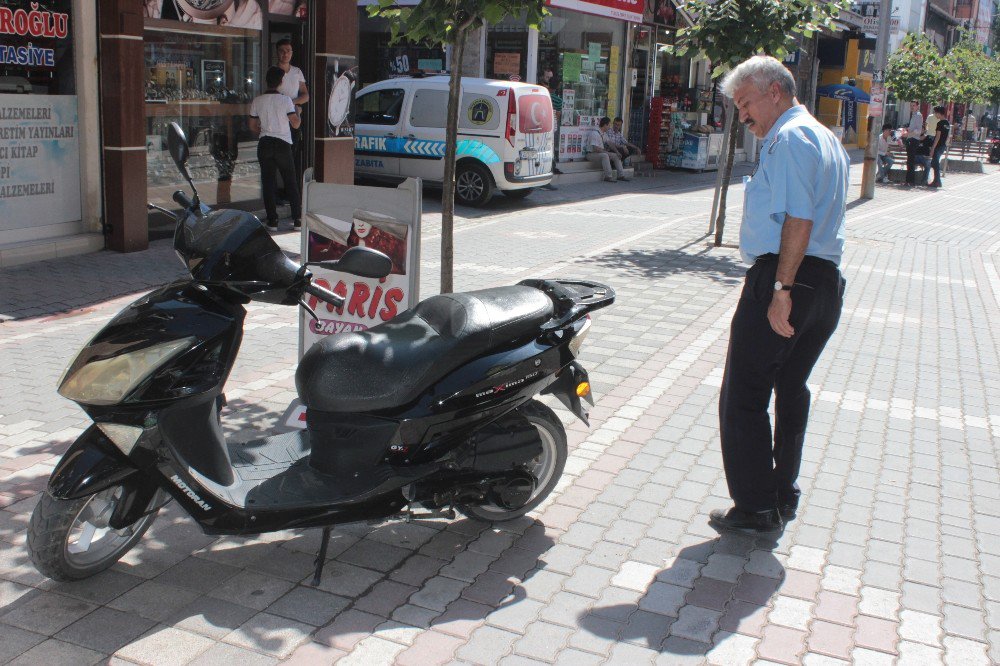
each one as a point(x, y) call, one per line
point(433, 408)
point(994, 156)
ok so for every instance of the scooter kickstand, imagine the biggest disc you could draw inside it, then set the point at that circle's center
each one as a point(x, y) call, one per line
point(321, 557)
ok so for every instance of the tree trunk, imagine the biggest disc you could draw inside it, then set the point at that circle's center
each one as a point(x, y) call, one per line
point(450, 150)
point(720, 223)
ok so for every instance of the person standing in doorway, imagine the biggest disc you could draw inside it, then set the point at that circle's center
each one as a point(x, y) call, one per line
point(914, 132)
point(273, 116)
point(793, 235)
point(294, 86)
point(941, 133)
point(969, 126)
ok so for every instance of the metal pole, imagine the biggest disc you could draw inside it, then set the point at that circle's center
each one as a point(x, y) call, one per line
point(875, 127)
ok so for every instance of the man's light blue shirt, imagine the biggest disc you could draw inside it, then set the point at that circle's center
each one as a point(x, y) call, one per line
point(803, 172)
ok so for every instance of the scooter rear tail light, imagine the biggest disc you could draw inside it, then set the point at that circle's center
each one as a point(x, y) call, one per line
point(577, 341)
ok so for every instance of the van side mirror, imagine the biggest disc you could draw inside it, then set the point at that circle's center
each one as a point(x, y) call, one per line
point(178, 146)
point(360, 261)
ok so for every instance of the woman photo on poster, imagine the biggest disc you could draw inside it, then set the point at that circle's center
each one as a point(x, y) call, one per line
point(329, 238)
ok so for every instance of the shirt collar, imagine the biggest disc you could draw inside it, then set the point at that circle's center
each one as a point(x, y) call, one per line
point(793, 112)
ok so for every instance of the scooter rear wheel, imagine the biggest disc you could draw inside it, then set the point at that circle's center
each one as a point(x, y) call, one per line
point(547, 467)
point(71, 539)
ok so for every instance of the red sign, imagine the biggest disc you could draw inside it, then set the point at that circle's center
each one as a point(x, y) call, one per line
point(624, 10)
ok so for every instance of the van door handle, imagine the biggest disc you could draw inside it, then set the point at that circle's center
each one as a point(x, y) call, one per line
point(411, 136)
point(390, 135)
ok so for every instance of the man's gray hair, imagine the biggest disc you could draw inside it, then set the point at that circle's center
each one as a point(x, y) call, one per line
point(763, 70)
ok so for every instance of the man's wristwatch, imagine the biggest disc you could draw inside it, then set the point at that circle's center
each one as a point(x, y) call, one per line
point(781, 287)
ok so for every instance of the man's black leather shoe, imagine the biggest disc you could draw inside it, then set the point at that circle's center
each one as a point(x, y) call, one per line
point(760, 522)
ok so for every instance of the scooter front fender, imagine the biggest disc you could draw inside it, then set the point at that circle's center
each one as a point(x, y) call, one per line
point(91, 464)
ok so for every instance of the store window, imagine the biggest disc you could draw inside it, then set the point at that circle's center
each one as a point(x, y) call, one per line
point(580, 62)
point(379, 60)
point(507, 50)
point(380, 107)
point(203, 77)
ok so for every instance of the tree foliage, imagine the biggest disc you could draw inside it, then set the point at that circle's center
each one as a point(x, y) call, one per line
point(915, 70)
point(968, 71)
point(727, 32)
point(448, 22)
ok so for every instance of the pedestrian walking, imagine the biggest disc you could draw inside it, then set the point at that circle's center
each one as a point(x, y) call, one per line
point(793, 235)
point(273, 117)
point(941, 132)
point(914, 132)
point(599, 153)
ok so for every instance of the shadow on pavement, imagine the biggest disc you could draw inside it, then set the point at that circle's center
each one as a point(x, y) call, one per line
point(654, 264)
point(683, 610)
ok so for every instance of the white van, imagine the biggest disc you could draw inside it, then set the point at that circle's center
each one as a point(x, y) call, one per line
point(505, 139)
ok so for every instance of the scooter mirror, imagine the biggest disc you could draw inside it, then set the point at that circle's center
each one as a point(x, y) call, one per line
point(178, 146)
point(361, 261)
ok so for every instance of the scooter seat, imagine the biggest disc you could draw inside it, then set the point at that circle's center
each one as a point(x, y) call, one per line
point(389, 365)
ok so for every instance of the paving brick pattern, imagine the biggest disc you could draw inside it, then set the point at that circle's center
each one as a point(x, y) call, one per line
point(894, 558)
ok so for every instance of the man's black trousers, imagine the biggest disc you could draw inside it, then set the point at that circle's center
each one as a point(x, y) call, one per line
point(276, 156)
point(760, 474)
point(911, 160)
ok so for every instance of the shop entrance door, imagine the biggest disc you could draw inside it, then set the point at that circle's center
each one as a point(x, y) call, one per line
point(295, 30)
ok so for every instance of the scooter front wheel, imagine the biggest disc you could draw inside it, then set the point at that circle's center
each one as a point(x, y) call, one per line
point(547, 467)
point(71, 539)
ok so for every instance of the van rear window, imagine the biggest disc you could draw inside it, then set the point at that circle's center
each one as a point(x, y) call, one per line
point(380, 107)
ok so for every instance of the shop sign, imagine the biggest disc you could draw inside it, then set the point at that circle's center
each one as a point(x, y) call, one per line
point(341, 107)
point(230, 13)
point(623, 10)
point(39, 160)
point(506, 64)
point(339, 217)
point(34, 40)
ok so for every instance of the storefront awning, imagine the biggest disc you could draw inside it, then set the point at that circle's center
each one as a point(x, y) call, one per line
point(624, 10)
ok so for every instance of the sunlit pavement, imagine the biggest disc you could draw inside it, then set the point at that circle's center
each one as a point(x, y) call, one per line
point(894, 557)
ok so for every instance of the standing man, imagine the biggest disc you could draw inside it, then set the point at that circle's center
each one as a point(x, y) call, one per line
point(969, 126)
point(793, 235)
point(941, 132)
point(273, 116)
point(294, 86)
point(914, 132)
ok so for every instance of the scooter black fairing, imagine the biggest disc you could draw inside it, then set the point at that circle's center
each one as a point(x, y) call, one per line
point(434, 407)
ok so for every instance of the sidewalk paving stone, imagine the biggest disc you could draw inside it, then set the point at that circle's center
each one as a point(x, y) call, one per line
point(894, 558)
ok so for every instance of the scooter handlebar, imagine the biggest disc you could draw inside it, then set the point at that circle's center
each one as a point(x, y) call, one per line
point(324, 295)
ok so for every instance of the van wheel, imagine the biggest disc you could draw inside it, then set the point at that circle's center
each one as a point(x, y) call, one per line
point(519, 194)
point(473, 184)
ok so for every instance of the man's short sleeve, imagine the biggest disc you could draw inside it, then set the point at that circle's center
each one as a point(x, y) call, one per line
point(289, 105)
point(254, 113)
point(792, 176)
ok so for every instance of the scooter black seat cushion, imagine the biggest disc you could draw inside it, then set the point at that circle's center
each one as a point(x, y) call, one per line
point(391, 364)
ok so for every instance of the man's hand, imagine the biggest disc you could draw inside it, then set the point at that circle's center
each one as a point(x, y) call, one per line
point(778, 313)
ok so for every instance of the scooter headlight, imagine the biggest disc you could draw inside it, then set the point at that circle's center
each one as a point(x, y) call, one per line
point(108, 381)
